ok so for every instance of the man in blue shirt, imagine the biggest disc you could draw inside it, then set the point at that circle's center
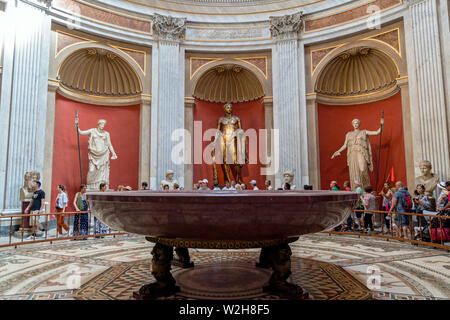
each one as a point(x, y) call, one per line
point(399, 202)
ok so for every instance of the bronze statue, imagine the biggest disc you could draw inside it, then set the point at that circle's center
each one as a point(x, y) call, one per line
point(359, 153)
point(229, 146)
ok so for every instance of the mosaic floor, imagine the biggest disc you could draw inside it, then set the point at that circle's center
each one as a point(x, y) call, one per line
point(328, 267)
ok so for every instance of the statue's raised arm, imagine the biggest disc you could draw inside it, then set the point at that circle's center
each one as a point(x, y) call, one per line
point(359, 154)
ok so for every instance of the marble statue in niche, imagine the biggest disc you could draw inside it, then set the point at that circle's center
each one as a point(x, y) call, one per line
point(359, 153)
point(99, 149)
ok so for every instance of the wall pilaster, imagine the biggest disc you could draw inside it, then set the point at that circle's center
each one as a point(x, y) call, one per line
point(23, 103)
point(429, 108)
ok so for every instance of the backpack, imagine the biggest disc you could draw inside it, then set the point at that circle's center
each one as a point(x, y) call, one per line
point(407, 203)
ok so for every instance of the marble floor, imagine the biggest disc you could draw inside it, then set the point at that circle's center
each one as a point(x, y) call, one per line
point(329, 267)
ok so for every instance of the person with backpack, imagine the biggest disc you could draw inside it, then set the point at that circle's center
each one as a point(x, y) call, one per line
point(402, 202)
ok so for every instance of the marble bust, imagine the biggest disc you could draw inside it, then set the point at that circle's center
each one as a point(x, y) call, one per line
point(169, 180)
point(428, 179)
point(26, 192)
point(289, 178)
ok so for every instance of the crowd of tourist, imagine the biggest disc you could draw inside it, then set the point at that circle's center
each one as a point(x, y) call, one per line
point(389, 205)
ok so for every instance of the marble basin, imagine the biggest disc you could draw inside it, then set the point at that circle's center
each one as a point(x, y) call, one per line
point(222, 215)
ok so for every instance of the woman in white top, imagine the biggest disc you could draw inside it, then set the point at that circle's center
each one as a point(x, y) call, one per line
point(60, 206)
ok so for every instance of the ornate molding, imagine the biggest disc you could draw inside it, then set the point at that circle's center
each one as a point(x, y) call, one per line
point(47, 3)
point(286, 27)
point(413, 2)
point(219, 244)
point(168, 27)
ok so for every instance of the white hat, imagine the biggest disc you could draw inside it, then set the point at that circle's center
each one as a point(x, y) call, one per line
point(205, 181)
point(253, 182)
point(441, 185)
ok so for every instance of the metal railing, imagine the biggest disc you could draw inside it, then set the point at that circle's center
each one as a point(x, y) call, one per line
point(22, 234)
point(418, 232)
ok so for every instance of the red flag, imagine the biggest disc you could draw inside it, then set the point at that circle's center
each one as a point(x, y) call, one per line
point(392, 175)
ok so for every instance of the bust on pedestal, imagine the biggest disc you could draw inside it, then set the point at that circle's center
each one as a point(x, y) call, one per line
point(26, 194)
point(428, 179)
point(289, 178)
point(169, 180)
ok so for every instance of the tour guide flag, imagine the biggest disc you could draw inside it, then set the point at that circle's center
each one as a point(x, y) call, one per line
point(391, 175)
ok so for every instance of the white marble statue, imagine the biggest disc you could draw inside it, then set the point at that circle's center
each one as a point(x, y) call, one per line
point(26, 192)
point(428, 179)
point(99, 147)
point(359, 153)
point(289, 178)
point(169, 180)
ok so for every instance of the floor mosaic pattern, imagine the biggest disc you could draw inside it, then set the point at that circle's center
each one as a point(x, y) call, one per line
point(328, 267)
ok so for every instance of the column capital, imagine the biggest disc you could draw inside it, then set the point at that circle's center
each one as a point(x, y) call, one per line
point(168, 28)
point(287, 27)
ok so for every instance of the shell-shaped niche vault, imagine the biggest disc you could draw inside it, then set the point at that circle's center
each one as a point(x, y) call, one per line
point(99, 72)
point(228, 83)
point(357, 71)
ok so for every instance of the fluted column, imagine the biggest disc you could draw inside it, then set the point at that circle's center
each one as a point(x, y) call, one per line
point(167, 112)
point(189, 104)
point(268, 121)
point(23, 102)
point(429, 107)
point(313, 141)
point(144, 140)
point(289, 103)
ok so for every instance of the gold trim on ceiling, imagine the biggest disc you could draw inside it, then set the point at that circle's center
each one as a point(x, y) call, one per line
point(224, 14)
point(328, 53)
point(112, 12)
point(123, 50)
point(264, 73)
point(86, 40)
point(399, 51)
point(349, 21)
point(205, 64)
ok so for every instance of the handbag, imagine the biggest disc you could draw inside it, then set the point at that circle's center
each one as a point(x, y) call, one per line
point(440, 233)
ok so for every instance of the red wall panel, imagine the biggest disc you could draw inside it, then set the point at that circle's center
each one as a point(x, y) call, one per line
point(252, 117)
point(123, 126)
point(335, 122)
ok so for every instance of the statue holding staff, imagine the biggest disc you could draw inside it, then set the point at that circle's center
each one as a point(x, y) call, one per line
point(99, 148)
point(359, 153)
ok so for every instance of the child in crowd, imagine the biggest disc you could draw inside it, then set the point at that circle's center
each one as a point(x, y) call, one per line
point(369, 201)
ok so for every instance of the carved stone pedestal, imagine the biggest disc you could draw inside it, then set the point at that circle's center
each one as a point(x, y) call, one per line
point(184, 259)
point(274, 253)
point(279, 258)
point(165, 283)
